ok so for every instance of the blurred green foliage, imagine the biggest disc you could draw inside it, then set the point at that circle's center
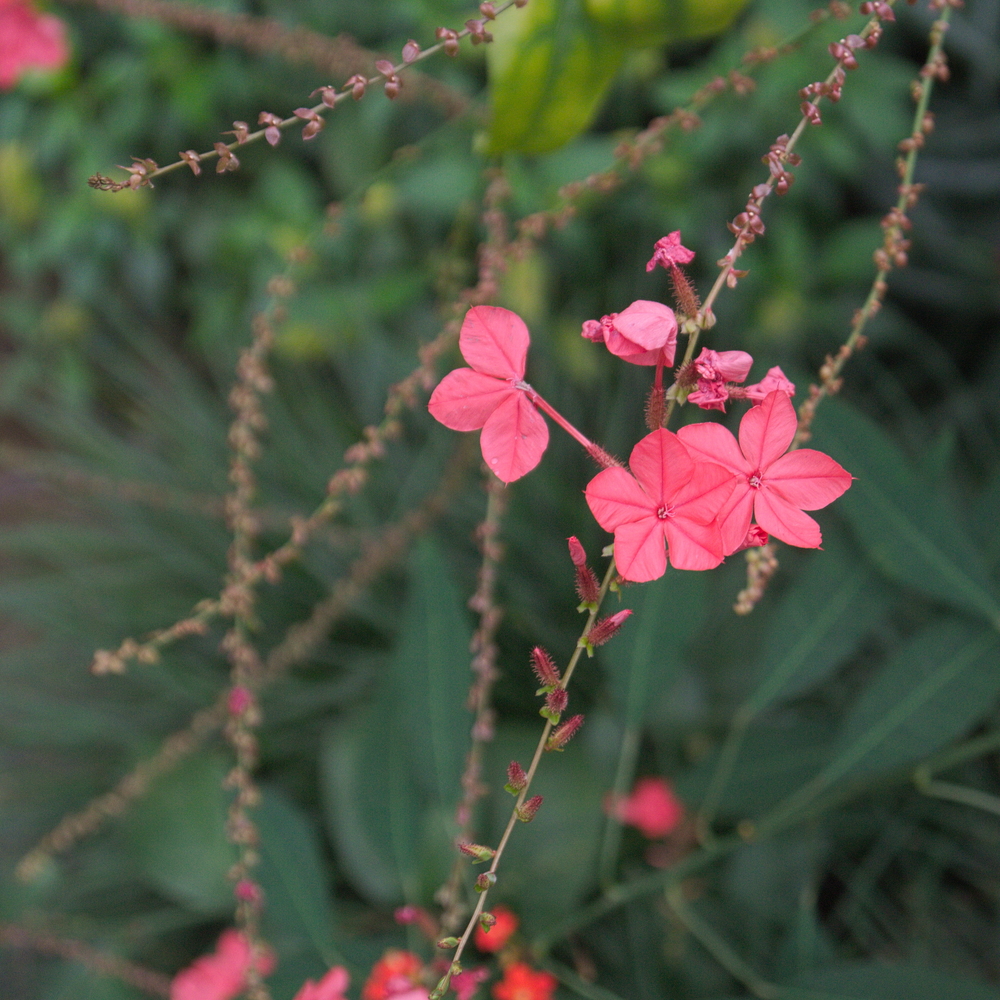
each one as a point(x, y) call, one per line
point(796, 731)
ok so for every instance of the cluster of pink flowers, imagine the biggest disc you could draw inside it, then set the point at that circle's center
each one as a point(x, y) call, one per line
point(690, 498)
point(28, 41)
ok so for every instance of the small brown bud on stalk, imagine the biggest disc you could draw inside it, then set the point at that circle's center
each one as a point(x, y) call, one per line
point(447, 943)
point(449, 40)
point(486, 881)
point(561, 736)
point(357, 83)
point(516, 778)
point(477, 852)
point(526, 813)
point(272, 133)
point(486, 920)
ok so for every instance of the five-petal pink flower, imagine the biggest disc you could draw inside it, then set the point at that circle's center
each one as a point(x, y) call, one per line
point(668, 503)
point(492, 393)
point(770, 486)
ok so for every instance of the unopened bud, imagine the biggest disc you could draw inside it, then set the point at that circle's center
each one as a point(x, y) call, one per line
point(516, 778)
point(555, 704)
point(477, 852)
point(486, 921)
point(576, 551)
point(561, 736)
point(485, 882)
point(545, 670)
point(448, 942)
point(604, 630)
point(526, 813)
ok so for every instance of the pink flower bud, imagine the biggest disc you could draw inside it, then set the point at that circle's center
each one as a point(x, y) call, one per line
point(411, 51)
point(527, 812)
point(561, 736)
point(545, 670)
point(247, 891)
point(606, 628)
point(576, 551)
point(516, 778)
point(555, 703)
point(240, 699)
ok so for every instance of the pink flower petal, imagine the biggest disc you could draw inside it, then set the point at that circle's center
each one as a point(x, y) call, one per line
point(463, 400)
point(649, 325)
point(714, 443)
point(615, 498)
point(734, 520)
point(783, 520)
point(514, 438)
point(767, 430)
point(691, 545)
point(808, 478)
point(640, 550)
point(662, 465)
point(705, 493)
point(495, 341)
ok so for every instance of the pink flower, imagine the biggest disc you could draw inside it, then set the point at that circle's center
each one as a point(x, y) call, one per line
point(397, 975)
point(28, 40)
point(770, 486)
point(652, 808)
point(330, 987)
point(223, 974)
point(466, 983)
point(774, 380)
point(714, 371)
point(644, 333)
point(522, 982)
point(492, 394)
point(667, 498)
point(668, 252)
point(500, 931)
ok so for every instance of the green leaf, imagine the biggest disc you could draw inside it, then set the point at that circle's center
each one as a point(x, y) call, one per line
point(654, 22)
point(392, 774)
point(549, 68)
point(937, 686)
point(911, 532)
point(179, 834)
point(877, 981)
point(295, 880)
point(642, 662)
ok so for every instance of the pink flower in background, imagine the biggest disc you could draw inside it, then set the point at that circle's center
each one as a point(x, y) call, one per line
point(667, 498)
point(652, 808)
point(466, 983)
point(644, 333)
point(500, 932)
point(28, 40)
point(223, 974)
point(773, 381)
point(492, 394)
point(330, 987)
point(714, 371)
point(771, 487)
point(397, 975)
point(522, 982)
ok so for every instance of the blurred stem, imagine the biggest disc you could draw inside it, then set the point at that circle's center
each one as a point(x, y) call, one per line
point(612, 839)
point(959, 793)
point(718, 948)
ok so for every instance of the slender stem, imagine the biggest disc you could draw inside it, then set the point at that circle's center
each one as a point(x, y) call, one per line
point(960, 793)
point(522, 796)
point(546, 407)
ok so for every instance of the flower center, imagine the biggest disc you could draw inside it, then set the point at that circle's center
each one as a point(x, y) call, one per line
point(756, 480)
point(663, 512)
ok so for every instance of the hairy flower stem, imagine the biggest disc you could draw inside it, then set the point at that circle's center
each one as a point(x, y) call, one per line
point(442, 986)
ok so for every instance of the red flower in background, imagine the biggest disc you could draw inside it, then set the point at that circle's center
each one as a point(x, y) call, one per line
point(522, 982)
point(223, 974)
point(28, 40)
point(396, 974)
point(492, 394)
point(652, 808)
point(499, 934)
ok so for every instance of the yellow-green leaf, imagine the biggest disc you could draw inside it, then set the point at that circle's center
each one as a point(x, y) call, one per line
point(655, 22)
point(549, 68)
